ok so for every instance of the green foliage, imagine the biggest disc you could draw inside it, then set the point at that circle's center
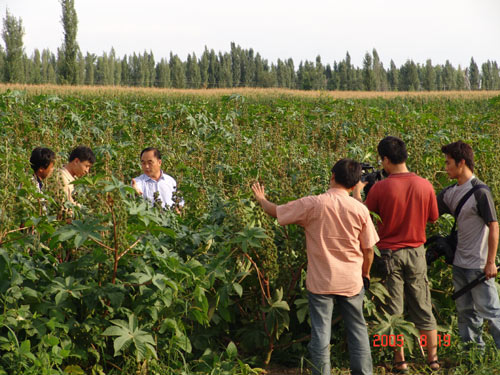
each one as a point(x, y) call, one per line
point(129, 288)
point(12, 35)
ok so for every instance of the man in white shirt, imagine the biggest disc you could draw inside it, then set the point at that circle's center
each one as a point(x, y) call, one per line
point(154, 184)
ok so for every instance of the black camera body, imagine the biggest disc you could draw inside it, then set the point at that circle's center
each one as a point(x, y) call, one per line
point(438, 246)
point(371, 176)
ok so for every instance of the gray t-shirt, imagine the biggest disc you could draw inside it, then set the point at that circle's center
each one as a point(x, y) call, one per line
point(472, 223)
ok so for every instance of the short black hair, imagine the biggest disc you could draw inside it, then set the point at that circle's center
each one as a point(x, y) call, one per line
point(157, 152)
point(83, 153)
point(41, 157)
point(459, 151)
point(347, 172)
point(394, 149)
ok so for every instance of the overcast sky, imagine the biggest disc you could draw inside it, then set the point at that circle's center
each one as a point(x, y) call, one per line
point(397, 29)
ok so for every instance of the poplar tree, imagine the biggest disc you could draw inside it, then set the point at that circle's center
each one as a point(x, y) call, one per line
point(203, 63)
point(379, 73)
point(12, 35)
point(149, 62)
point(226, 74)
point(212, 70)
point(438, 71)
point(36, 73)
point(162, 74)
point(80, 65)
point(393, 76)
point(473, 75)
point(333, 81)
point(486, 76)
point(193, 76)
point(368, 75)
point(319, 78)
point(291, 72)
point(282, 76)
point(90, 69)
point(68, 73)
point(460, 79)
point(177, 75)
point(429, 81)
point(102, 73)
point(46, 63)
point(125, 72)
point(2, 63)
point(136, 71)
point(236, 64)
point(495, 73)
point(448, 76)
point(409, 80)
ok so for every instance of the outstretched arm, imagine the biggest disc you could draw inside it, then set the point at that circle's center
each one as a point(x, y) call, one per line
point(260, 196)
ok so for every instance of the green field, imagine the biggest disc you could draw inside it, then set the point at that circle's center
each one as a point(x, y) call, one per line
point(220, 288)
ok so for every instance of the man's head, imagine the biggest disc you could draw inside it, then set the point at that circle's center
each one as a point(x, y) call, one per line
point(42, 162)
point(80, 161)
point(151, 162)
point(347, 172)
point(459, 157)
point(394, 149)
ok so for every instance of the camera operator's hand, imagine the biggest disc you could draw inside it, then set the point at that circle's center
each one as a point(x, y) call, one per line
point(366, 283)
point(356, 193)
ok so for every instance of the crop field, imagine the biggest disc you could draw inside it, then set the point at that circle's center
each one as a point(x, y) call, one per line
point(220, 287)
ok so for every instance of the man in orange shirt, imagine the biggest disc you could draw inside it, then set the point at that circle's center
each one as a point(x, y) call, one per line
point(339, 239)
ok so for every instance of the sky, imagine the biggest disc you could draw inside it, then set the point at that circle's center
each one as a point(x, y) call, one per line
point(440, 30)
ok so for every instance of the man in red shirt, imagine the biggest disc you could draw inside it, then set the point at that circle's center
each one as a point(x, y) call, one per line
point(339, 239)
point(405, 203)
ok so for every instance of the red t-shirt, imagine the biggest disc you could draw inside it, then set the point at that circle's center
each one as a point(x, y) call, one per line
point(405, 203)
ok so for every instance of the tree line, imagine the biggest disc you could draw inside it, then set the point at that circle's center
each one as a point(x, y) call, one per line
point(237, 68)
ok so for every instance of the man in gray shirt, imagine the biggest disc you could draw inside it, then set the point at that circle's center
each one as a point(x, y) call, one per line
point(477, 229)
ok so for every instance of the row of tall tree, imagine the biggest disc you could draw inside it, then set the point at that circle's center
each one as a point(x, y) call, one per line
point(237, 68)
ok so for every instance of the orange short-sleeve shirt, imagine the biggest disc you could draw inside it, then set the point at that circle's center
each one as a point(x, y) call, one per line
point(337, 227)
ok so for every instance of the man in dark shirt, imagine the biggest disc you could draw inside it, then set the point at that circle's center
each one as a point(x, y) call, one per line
point(42, 162)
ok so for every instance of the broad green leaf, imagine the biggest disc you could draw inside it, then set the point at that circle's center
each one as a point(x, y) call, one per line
point(231, 350)
point(25, 347)
point(73, 370)
point(238, 289)
point(120, 341)
point(115, 331)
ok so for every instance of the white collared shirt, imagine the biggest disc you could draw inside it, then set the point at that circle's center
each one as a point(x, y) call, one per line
point(165, 186)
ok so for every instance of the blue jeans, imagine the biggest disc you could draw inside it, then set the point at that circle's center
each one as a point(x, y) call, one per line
point(351, 309)
point(481, 302)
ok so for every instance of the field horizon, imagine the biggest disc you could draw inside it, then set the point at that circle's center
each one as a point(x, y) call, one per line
point(248, 91)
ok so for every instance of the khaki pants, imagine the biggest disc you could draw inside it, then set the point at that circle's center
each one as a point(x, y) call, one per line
point(408, 282)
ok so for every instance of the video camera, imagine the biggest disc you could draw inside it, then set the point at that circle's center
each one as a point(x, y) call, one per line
point(371, 175)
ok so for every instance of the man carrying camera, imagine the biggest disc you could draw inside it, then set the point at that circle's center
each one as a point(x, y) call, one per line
point(477, 229)
point(339, 239)
point(405, 203)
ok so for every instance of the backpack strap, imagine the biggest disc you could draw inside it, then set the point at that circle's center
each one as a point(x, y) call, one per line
point(464, 199)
